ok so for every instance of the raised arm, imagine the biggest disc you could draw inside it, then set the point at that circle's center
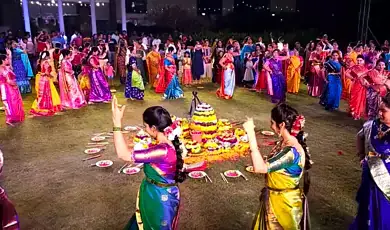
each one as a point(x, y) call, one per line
point(259, 165)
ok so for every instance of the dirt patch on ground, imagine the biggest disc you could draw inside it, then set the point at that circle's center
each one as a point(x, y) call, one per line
point(53, 189)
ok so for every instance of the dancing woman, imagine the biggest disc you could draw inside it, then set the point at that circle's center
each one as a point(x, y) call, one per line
point(48, 101)
point(282, 203)
point(9, 92)
point(134, 83)
point(158, 198)
point(9, 217)
point(294, 72)
point(274, 67)
point(316, 80)
point(377, 88)
point(332, 94)
point(357, 98)
point(21, 69)
point(228, 79)
point(373, 195)
point(173, 91)
point(100, 90)
point(70, 92)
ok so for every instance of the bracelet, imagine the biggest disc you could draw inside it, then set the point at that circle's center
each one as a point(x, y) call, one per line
point(116, 129)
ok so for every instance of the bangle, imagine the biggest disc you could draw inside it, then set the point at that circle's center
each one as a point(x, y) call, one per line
point(116, 129)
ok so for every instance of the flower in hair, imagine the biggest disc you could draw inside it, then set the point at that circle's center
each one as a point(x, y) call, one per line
point(172, 131)
point(298, 125)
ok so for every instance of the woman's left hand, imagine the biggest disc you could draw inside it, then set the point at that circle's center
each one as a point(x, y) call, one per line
point(117, 112)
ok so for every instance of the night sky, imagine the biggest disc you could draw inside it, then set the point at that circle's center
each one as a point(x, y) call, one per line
point(283, 5)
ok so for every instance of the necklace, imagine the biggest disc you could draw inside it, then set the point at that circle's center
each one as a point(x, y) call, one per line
point(382, 133)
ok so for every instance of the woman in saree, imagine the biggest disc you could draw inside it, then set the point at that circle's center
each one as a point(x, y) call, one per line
point(121, 55)
point(376, 88)
point(331, 96)
point(9, 91)
point(350, 60)
point(173, 90)
point(48, 101)
point(161, 82)
point(134, 83)
point(153, 63)
point(158, 199)
point(294, 72)
point(21, 70)
point(261, 84)
point(278, 81)
point(282, 202)
point(100, 90)
point(228, 80)
point(9, 217)
point(357, 98)
point(70, 93)
point(373, 195)
point(316, 80)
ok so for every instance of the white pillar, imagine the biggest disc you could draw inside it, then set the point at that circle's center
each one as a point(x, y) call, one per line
point(26, 16)
point(61, 16)
point(123, 14)
point(93, 16)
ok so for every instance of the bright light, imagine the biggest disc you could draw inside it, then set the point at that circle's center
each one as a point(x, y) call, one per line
point(37, 2)
point(97, 4)
point(52, 1)
point(102, 3)
point(273, 15)
point(281, 19)
point(32, 3)
point(67, 4)
point(203, 14)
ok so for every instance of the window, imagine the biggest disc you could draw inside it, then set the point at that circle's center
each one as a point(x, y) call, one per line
point(136, 6)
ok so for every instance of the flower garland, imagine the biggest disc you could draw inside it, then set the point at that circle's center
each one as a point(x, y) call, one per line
point(298, 125)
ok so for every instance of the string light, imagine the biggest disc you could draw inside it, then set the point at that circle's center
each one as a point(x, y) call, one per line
point(191, 8)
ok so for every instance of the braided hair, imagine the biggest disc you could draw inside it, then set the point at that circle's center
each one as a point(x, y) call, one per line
point(160, 118)
point(285, 113)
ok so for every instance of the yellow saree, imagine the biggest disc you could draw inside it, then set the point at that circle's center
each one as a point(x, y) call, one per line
point(153, 64)
point(294, 74)
point(281, 203)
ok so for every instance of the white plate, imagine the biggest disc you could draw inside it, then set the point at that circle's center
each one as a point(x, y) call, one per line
point(249, 169)
point(131, 170)
point(197, 174)
point(232, 173)
point(104, 163)
point(267, 133)
point(92, 150)
point(98, 138)
point(130, 128)
point(244, 139)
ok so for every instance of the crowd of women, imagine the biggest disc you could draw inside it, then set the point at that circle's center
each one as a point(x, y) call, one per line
point(82, 74)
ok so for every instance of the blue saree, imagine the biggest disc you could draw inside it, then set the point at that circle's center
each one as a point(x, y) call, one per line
point(373, 195)
point(158, 198)
point(332, 95)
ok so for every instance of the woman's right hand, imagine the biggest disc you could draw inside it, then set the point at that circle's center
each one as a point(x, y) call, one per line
point(117, 112)
point(248, 125)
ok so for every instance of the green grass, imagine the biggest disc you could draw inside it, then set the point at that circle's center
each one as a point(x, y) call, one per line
point(53, 189)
